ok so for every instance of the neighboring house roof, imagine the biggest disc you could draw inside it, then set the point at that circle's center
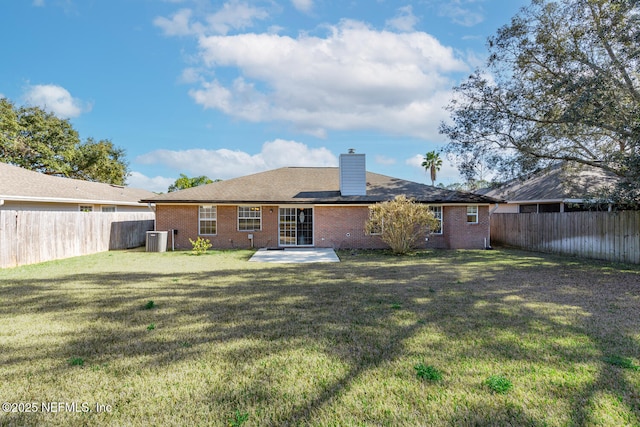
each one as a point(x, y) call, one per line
point(561, 182)
point(19, 184)
point(319, 185)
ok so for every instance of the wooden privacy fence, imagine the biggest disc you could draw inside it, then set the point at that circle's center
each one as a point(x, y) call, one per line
point(612, 236)
point(28, 237)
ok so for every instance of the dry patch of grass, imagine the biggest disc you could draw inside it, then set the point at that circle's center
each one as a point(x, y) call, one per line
point(237, 343)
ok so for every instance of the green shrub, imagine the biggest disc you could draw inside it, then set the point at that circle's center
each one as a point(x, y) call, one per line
point(401, 223)
point(200, 246)
point(238, 419)
point(149, 305)
point(151, 327)
point(498, 384)
point(76, 361)
point(621, 362)
point(427, 372)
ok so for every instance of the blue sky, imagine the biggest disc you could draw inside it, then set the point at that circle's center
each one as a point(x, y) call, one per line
point(228, 88)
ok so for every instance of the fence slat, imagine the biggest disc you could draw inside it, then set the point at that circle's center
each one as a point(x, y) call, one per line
point(28, 237)
point(612, 236)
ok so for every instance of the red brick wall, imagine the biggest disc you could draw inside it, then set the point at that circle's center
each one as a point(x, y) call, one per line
point(185, 219)
point(457, 233)
point(343, 227)
point(339, 227)
point(182, 218)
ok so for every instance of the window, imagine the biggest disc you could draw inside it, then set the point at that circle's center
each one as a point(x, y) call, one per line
point(540, 208)
point(437, 213)
point(376, 228)
point(86, 208)
point(528, 208)
point(249, 218)
point(472, 214)
point(549, 207)
point(108, 209)
point(207, 220)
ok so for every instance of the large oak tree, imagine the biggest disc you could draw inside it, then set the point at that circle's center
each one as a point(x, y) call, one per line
point(37, 140)
point(185, 182)
point(562, 82)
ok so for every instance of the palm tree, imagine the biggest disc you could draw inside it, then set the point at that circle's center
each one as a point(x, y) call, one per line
point(432, 163)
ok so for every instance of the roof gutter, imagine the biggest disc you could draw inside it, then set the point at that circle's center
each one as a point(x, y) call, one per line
point(526, 202)
point(299, 202)
point(60, 200)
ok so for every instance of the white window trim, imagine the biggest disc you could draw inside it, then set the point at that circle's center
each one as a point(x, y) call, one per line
point(381, 230)
point(114, 207)
point(440, 219)
point(381, 227)
point(258, 217)
point(476, 214)
point(200, 219)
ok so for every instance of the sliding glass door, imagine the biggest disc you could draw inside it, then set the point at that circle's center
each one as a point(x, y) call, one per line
point(295, 226)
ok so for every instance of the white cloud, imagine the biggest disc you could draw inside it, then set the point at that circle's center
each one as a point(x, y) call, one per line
point(303, 5)
point(475, 60)
point(415, 161)
point(178, 25)
point(56, 100)
point(384, 160)
point(354, 78)
point(157, 183)
point(405, 20)
point(190, 75)
point(275, 29)
point(225, 163)
point(233, 15)
point(461, 13)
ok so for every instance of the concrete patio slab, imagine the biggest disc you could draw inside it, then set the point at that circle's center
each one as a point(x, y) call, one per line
point(295, 255)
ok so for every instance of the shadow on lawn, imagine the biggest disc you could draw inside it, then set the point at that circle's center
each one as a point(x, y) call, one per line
point(348, 311)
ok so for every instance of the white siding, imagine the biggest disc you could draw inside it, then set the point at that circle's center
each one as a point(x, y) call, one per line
point(66, 207)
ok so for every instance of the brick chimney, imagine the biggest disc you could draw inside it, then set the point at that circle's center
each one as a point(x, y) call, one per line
point(353, 174)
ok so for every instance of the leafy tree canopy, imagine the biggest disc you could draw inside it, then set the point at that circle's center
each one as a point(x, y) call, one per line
point(185, 182)
point(562, 82)
point(37, 140)
point(471, 185)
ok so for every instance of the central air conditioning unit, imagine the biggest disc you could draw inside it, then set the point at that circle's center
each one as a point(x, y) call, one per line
point(157, 241)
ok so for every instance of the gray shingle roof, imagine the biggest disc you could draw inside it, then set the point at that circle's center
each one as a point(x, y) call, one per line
point(559, 182)
point(319, 185)
point(17, 183)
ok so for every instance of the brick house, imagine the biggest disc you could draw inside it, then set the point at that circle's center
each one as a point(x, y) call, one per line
point(313, 207)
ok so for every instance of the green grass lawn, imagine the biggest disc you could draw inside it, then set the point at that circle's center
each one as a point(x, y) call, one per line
point(438, 338)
